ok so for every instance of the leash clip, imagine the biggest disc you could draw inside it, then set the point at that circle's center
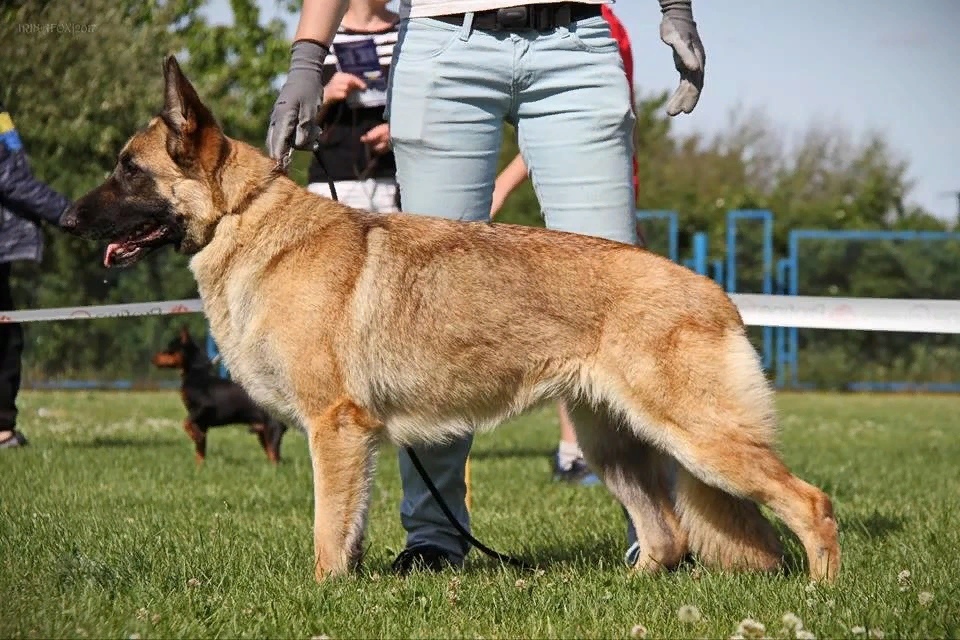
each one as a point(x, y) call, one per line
point(283, 163)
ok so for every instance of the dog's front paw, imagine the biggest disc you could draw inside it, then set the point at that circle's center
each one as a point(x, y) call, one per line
point(333, 565)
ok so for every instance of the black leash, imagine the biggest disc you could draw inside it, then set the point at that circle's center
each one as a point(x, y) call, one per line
point(496, 555)
point(505, 559)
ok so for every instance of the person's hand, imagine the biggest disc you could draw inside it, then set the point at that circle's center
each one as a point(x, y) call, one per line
point(294, 117)
point(679, 31)
point(342, 85)
point(378, 138)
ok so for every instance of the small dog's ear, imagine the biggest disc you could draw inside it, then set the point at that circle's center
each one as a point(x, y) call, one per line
point(184, 335)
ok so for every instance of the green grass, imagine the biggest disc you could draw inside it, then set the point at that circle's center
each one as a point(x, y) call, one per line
point(108, 529)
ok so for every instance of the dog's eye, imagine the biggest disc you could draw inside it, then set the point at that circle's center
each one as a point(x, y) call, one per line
point(129, 166)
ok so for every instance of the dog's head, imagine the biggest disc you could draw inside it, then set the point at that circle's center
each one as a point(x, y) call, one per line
point(179, 352)
point(165, 188)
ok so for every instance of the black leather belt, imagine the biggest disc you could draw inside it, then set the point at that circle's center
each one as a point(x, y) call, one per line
point(536, 17)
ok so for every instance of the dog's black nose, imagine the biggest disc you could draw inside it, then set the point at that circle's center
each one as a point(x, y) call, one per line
point(69, 218)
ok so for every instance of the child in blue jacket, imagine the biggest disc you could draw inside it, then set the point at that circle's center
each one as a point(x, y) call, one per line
point(25, 202)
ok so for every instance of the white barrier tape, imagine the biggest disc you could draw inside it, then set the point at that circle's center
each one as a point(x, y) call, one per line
point(804, 312)
point(860, 314)
point(129, 310)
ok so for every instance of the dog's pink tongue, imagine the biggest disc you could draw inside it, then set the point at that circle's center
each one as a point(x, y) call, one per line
point(112, 248)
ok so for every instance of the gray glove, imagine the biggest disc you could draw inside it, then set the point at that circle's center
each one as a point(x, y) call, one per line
point(679, 31)
point(294, 117)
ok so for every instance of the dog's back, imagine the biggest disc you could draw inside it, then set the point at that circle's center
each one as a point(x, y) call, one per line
point(213, 402)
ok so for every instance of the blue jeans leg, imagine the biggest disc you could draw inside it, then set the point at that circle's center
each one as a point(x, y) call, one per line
point(450, 91)
point(448, 96)
point(575, 128)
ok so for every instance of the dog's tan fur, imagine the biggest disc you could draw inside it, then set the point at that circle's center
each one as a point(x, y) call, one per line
point(419, 330)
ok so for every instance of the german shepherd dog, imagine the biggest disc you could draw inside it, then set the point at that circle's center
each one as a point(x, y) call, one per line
point(361, 327)
point(212, 401)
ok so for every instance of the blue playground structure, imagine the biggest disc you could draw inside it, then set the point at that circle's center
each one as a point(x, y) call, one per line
point(780, 345)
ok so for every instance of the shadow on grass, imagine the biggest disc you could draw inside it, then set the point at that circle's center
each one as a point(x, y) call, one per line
point(611, 559)
point(107, 442)
point(546, 557)
point(609, 555)
point(872, 526)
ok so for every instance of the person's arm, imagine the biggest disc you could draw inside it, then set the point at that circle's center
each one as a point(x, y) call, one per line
point(679, 31)
point(509, 179)
point(293, 119)
point(23, 194)
point(319, 20)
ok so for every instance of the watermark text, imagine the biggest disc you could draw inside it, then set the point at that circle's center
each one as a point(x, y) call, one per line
point(55, 28)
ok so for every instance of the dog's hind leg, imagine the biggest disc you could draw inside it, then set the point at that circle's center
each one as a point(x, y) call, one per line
point(260, 429)
point(726, 529)
point(718, 421)
point(723, 530)
point(343, 446)
point(269, 442)
point(199, 437)
point(641, 478)
point(275, 431)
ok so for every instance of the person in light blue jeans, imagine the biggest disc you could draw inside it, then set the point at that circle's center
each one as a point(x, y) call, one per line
point(551, 69)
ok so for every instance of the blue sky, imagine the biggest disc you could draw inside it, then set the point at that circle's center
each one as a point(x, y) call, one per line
point(886, 65)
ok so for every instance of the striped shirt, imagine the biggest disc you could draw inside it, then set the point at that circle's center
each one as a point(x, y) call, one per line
point(344, 156)
point(383, 40)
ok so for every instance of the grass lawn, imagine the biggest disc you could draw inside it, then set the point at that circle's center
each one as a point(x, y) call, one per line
point(109, 530)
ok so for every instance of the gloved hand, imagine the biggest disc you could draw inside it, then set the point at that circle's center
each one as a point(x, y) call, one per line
point(293, 120)
point(679, 31)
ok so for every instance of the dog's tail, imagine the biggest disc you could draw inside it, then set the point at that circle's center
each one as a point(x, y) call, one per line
point(725, 530)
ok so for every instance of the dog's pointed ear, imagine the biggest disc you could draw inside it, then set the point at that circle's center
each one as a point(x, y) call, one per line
point(196, 137)
point(184, 335)
point(182, 109)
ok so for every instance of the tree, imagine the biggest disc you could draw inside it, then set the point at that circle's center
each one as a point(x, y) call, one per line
point(76, 98)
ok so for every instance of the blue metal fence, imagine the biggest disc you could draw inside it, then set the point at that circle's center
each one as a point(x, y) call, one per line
point(780, 350)
point(766, 217)
point(673, 229)
point(788, 367)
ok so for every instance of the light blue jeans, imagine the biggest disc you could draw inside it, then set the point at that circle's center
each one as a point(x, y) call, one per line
point(451, 89)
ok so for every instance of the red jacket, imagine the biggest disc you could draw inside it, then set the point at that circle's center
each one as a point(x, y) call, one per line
point(619, 32)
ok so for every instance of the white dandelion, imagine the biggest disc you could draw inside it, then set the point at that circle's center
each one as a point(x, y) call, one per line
point(792, 622)
point(750, 628)
point(688, 613)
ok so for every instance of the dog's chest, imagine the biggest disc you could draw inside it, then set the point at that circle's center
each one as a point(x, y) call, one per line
point(236, 325)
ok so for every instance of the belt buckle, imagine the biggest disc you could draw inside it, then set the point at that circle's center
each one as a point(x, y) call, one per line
point(513, 18)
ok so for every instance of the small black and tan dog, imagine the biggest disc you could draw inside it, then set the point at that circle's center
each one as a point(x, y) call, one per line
point(212, 401)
